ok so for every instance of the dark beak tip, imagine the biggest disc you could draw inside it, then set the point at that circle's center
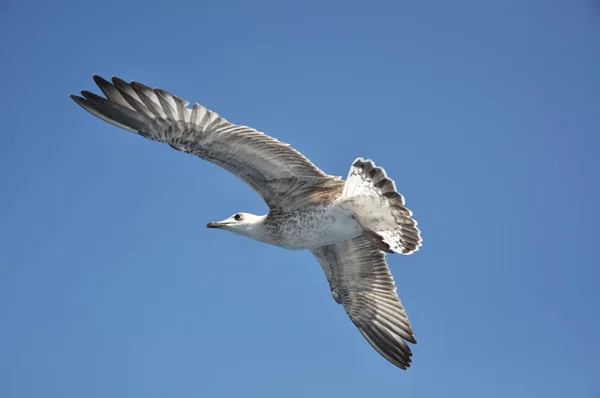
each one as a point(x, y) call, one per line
point(210, 225)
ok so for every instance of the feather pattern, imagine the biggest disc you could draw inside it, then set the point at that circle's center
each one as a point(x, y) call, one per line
point(343, 224)
point(369, 186)
point(360, 280)
point(261, 161)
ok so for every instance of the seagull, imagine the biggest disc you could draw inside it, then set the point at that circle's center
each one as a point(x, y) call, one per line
point(349, 226)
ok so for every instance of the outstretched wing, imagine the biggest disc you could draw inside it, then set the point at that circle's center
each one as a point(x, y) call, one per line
point(360, 280)
point(273, 169)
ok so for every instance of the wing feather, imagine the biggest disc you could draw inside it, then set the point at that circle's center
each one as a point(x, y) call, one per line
point(360, 280)
point(279, 173)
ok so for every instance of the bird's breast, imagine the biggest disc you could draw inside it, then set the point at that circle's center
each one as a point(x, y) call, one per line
point(313, 227)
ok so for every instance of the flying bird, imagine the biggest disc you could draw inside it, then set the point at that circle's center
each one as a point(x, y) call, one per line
point(349, 226)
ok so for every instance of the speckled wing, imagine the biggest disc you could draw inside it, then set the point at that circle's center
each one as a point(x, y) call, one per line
point(360, 280)
point(276, 171)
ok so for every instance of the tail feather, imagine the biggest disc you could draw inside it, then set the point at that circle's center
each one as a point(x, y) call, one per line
point(369, 186)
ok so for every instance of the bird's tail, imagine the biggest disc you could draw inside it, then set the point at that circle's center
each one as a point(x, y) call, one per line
point(387, 220)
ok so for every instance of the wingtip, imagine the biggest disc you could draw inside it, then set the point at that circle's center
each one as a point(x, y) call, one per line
point(79, 100)
point(412, 340)
point(87, 94)
point(117, 80)
point(99, 80)
point(139, 86)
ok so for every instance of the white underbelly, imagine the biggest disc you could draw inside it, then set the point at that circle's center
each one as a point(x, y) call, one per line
point(306, 230)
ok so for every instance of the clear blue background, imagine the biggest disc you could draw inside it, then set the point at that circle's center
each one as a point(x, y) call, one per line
point(485, 113)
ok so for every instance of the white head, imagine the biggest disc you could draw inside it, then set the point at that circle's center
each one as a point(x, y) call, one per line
point(244, 224)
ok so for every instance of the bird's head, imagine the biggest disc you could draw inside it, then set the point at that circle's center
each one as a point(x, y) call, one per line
point(240, 223)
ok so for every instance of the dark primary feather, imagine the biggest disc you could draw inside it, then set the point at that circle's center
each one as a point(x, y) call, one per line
point(359, 279)
point(271, 168)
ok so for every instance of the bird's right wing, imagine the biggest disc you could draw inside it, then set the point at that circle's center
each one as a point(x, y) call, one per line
point(360, 280)
point(281, 175)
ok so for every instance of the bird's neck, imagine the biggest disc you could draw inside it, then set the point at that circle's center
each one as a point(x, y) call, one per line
point(256, 230)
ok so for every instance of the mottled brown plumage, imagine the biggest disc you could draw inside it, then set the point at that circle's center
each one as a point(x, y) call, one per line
point(344, 224)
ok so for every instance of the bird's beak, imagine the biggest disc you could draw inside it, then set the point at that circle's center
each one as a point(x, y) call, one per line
point(216, 224)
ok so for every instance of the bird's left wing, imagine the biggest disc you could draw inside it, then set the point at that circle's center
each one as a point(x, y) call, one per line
point(359, 279)
point(281, 175)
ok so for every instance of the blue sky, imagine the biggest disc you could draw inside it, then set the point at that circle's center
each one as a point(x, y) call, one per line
point(485, 114)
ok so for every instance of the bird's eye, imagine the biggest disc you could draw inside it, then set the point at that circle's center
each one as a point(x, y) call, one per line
point(237, 217)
